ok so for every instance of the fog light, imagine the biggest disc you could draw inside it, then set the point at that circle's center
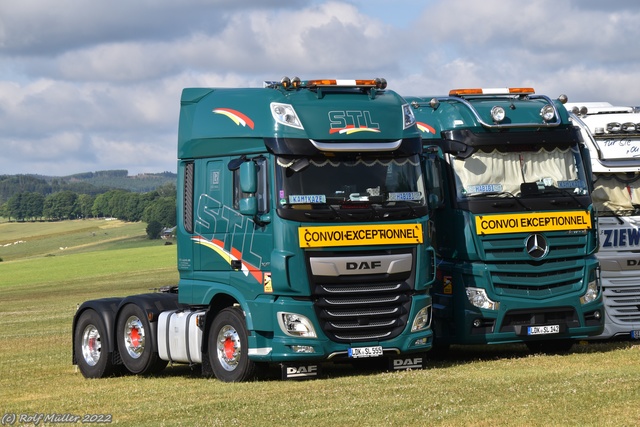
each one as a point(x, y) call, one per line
point(302, 349)
point(477, 323)
point(420, 342)
point(596, 315)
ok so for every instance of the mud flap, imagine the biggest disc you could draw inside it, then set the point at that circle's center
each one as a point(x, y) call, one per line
point(300, 372)
point(405, 363)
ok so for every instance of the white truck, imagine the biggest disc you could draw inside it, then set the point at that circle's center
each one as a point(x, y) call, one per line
point(613, 136)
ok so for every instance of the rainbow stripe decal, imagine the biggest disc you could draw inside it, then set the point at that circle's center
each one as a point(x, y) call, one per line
point(237, 117)
point(423, 127)
point(352, 129)
point(234, 255)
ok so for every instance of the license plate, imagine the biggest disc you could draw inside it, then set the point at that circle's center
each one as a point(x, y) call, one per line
point(357, 352)
point(635, 335)
point(543, 330)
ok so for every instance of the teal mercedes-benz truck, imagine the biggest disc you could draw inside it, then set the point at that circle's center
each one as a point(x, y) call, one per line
point(515, 230)
point(302, 238)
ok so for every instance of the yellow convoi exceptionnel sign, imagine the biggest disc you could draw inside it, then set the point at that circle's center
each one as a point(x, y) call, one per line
point(358, 235)
point(532, 222)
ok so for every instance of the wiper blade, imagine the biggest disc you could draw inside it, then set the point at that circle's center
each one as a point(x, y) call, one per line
point(551, 190)
point(504, 194)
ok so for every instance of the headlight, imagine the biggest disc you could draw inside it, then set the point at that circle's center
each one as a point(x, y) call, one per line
point(497, 114)
point(422, 320)
point(285, 114)
point(593, 288)
point(478, 298)
point(547, 112)
point(296, 325)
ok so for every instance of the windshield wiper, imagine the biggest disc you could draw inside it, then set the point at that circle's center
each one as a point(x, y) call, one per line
point(508, 196)
point(552, 190)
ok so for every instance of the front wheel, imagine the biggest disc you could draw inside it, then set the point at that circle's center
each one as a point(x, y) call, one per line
point(91, 346)
point(134, 342)
point(228, 347)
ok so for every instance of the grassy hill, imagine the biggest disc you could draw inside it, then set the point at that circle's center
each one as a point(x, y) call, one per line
point(20, 240)
point(41, 286)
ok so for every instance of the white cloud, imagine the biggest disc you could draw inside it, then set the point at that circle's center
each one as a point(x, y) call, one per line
point(90, 86)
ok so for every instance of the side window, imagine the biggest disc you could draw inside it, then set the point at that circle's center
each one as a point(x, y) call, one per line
point(433, 177)
point(261, 195)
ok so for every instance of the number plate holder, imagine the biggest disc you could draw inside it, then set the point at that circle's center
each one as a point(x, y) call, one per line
point(360, 352)
point(543, 330)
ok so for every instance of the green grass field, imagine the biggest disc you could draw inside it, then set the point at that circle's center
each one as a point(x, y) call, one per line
point(598, 384)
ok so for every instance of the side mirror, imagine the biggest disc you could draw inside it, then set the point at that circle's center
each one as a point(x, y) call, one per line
point(248, 177)
point(249, 206)
point(433, 201)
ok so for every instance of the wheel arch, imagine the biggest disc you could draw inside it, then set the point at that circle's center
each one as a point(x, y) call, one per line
point(106, 308)
point(152, 304)
point(219, 302)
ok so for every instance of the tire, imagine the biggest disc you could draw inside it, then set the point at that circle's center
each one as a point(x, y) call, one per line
point(134, 342)
point(91, 346)
point(228, 348)
point(550, 346)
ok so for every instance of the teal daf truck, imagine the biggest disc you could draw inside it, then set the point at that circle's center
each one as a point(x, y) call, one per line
point(302, 238)
point(515, 230)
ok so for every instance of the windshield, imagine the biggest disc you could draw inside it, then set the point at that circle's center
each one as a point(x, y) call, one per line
point(491, 173)
point(617, 194)
point(374, 184)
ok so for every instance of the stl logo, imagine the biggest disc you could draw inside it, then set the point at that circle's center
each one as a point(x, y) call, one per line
point(348, 122)
point(237, 117)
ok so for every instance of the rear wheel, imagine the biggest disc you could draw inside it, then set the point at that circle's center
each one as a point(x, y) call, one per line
point(228, 347)
point(91, 346)
point(134, 342)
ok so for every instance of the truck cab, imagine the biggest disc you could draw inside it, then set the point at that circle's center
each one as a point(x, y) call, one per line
point(612, 134)
point(515, 232)
point(302, 238)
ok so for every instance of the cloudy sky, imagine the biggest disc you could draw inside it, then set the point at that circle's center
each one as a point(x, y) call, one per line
point(95, 85)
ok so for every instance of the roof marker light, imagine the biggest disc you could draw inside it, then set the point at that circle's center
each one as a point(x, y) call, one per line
point(613, 127)
point(628, 127)
point(493, 91)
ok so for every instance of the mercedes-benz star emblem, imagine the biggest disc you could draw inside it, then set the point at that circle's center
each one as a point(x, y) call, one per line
point(536, 246)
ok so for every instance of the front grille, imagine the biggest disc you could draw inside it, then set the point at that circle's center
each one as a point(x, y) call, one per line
point(507, 247)
point(622, 303)
point(514, 273)
point(537, 279)
point(362, 307)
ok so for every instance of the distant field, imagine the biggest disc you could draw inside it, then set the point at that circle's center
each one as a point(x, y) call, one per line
point(598, 384)
point(32, 239)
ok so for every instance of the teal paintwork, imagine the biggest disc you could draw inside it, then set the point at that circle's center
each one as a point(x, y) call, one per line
point(529, 293)
point(227, 258)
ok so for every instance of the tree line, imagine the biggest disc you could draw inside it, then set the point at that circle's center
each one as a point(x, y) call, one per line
point(92, 183)
point(157, 206)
